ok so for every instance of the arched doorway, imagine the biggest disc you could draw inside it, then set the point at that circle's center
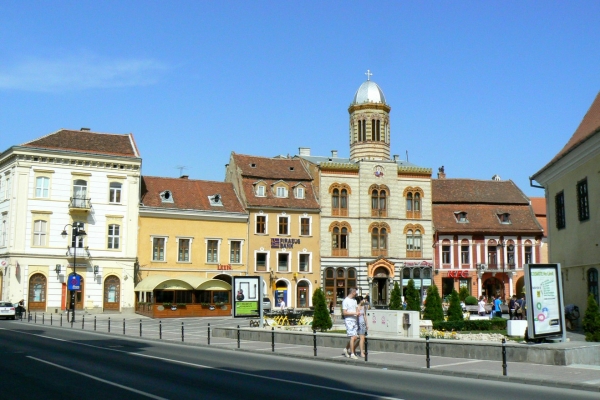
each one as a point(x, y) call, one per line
point(66, 296)
point(112, 293)
point(380, 286)
point(492, 287)
point(225, 278)
point(520, 286)
point(281, 292)
point(37, 293)
point(302, 294)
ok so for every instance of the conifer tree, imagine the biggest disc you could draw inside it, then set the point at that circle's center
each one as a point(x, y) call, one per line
point(591, 321)
point(321, 317)
point(455, 310)
point(396, 298)
point(463, 293)
point(433, 305)
point(413, 297)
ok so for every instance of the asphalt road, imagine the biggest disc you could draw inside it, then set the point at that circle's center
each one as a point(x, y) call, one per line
point(43, 362)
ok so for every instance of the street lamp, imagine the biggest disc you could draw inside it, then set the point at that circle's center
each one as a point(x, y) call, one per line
point(501, 244)
point(77, 232)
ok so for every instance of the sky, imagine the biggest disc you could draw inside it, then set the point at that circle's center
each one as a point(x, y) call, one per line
point(480, 87)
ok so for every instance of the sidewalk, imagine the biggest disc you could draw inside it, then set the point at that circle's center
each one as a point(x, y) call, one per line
point(194, 331)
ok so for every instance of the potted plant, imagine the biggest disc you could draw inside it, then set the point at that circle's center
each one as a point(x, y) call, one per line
point(205, 305)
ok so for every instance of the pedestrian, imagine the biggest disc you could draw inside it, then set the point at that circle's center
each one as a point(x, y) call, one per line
point(519, 309)
point(282, 305)
point(363, 325)
point(481, 304)
point(349, 313)
point(512, 306)
point(332, 311)
point(21, 308)
point(498, 307)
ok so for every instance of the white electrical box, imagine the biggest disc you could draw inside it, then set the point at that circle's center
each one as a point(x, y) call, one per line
point(394, 322)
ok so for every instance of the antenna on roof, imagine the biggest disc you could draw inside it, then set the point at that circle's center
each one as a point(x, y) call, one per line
point(181, 168)
point(406, 155)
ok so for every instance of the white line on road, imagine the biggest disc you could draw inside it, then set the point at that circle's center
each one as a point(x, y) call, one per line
point(99, 379)
point(458, 363)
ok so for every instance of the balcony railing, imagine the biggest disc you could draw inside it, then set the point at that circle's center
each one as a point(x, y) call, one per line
point(378, 213)
point(80, 204)
point(79, 252)
point(379, 252)
point(339, 252)
point(339, 212)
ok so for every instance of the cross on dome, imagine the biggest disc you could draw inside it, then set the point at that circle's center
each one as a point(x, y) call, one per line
point(368, 74)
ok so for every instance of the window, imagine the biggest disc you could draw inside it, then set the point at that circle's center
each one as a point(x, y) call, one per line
point(260, 190)
point(592, 276)
point(413, 202)
point(282, 191)
point(304, 226)
point(4, 230)
point(378, 202)
point(283, 225)
point(283, 262)
point(79, 193)
point(42, 187)
point(445, 254)
point(261, 261)
point(2, 188)
point(77, 241)
point(304, 262)
point(158, 249)
point(39, 233)
point(113, 236)
point(7, 188)
point(504, 218)
point(166, 196)
point(235, 252)
point(379, 241)
point(559, 204)
point(492, 258)
point(183, 251)
point(461, 217)
point(212, 251)
point(339, 238)
point(583, 208)
point(464, 254)
point(299, 192)
point(413, 243)
point(115, 192)
point(510, 254)
point(339, 199)
point(528, 254)
point(261, 224)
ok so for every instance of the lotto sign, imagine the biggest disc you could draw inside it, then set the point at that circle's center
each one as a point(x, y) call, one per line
point(74, 282)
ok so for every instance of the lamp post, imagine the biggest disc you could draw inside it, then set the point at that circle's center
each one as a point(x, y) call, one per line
point(77, 232)
point(501, 244)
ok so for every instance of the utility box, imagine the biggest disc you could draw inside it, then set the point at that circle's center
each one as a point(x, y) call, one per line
point(394, 322)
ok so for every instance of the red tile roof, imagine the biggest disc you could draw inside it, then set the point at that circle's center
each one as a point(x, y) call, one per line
point(476, 191)
point(539, 209)
point(88, 142)
point(189, 194)
point(271, 168)
point(589, 126)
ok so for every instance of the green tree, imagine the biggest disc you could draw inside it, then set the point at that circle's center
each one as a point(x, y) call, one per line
point(591, 321)
point(455, 310)
point(321, 317)
point(463, 293)
point(433, 305)
point(413, 297)
point(396, 298)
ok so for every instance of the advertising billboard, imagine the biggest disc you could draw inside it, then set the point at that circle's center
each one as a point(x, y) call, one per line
point(247, 296)
point(544, 302)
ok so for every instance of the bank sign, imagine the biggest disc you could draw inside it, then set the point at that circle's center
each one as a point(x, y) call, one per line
point(283, 243)
point(544, 308)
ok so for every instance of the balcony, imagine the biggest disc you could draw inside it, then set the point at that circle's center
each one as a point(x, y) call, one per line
point(77, 204)
point(78, 252)
point(339, 252)
point(377, 213)
point(379, 252)
point(339, 212)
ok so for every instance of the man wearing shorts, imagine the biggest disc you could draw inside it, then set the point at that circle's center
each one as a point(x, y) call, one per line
point(350, 315)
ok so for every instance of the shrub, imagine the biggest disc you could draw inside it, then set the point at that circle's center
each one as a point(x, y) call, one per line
point(495, 324)
point(321, 318)
point(463, 293)
point(396, 298)
point(413, 297)
point(591, 321)
point(471, 301)
point(455, 310)
point(433, 305)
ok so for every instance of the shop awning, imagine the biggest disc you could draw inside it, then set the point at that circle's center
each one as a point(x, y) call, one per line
point(184, 282)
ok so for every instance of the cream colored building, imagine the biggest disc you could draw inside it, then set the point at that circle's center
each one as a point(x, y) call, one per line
point(572, 189)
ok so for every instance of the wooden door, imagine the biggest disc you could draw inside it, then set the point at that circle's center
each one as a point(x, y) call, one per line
point(37, 293)
point(112, 293)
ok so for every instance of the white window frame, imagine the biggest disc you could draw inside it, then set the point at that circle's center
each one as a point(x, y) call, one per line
point(4, 230)
point(119, 190)
point(179, 239)
point(267, 260)
point(289, 264)
point(300, 192)
point(7, 188)
point(40, 234)
point(283, 190)
point(152, 237)
point(44, 190)
point(218, 240)
point(309, 254)
point(309, 225)
point(289, 226)
point(260, 191)
point(266, 232)
point(113, 236)
point(241, 242)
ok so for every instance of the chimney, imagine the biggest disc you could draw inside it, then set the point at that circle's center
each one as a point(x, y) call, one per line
point(441, 173)
point(184, 176)
point(304, 151)
point(85, 129)
point(396, 157)
point(333, 153)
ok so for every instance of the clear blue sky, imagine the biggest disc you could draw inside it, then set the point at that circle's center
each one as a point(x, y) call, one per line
point(481, 87)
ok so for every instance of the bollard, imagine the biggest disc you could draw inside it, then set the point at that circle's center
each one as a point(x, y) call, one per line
point(82, 321)
point(159, 329)
point(140, 328)
point(273, 339)
point(94, 322)
point(35, 318)
point(123, 326)
point(208, 335)
point(315, 341)
point(182, 331)
point(504, 357)
point(72, 321)
point(427, 350)
point(238, 336)
point(43, 318)
point(60, 319)
point(108, 324)
point(366, 347)
point(50, 319)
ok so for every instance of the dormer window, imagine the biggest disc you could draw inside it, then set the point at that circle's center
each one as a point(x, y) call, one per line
point(260, 191)
point(215, 200)
point(299, 192)
point(461, 217)
point(166, 196)
point(281, 191)
point(252, 165)
point(504, 218)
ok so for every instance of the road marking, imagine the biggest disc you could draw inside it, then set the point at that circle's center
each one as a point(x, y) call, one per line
point(458, 363)
point(352, 392)
point(597, 381)
point(99, 379)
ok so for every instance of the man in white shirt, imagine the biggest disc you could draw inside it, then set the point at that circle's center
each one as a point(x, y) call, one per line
point(350, 315)
point(282, 305)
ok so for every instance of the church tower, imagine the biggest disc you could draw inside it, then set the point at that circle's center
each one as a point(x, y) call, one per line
point(369, 123)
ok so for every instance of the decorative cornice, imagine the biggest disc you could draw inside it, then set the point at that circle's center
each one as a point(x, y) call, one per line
point(421, 171)
point(329, 165)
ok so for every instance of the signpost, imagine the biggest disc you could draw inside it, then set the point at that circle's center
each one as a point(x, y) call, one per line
point(544, 302)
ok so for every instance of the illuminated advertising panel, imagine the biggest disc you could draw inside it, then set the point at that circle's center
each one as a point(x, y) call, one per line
point(247, 296)
point(544, 303)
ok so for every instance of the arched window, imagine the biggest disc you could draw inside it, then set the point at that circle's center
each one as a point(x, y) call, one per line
point(413, 243)
point(413, 202)
point(373, 133)
point(378, 200)
point(37, 292)
point(79, 199)
point(339, 199)
point(593, 283)
point(409, 202)
point(379, 240)
point(339, 238)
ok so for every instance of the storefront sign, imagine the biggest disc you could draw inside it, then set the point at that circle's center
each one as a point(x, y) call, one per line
point(283, 243)
point(458, 274)
point(224, 267)
point(418, 264)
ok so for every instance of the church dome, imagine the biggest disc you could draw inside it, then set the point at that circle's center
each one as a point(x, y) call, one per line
point(369, 92)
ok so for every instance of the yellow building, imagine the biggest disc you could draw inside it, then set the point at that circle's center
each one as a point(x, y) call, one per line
point(283, 236)
point(192, 239)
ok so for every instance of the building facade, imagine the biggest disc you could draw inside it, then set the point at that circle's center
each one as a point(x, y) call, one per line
point(54, 189)
point(283, 226)
point(376, 217)
point(485, 231)
point(571, 182)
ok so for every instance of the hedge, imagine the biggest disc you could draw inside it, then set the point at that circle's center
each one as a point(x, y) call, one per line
point(495, 324)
